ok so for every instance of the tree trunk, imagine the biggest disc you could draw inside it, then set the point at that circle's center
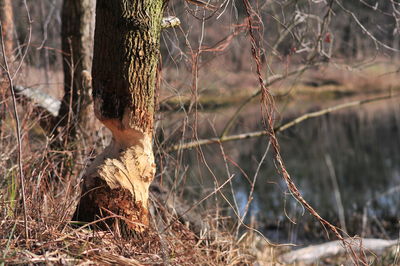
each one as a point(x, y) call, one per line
point(77, 44)
point(126, 52)
point(7, 27)
point(7, 24)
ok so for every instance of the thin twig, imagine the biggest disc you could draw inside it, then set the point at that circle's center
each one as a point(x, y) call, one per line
point(17, 122)
point(252, 186)
point(217, 189)
point(18, 131)
point(256, 93)
point(364, 29)
point(336, 192)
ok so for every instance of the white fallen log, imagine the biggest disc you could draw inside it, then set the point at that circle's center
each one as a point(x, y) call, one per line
point(47, 102)
point(314, 253)
point(52, 105)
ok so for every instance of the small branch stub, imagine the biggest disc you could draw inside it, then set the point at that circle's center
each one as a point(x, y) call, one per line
point(170, 22)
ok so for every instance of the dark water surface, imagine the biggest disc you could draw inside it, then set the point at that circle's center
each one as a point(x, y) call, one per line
point(347, 161)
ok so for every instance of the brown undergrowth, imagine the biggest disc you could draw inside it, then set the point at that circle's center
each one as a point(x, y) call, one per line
point(61, 243)
point(52, 192)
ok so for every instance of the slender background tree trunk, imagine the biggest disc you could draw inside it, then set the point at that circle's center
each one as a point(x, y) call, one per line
point(7, 25)
point(77, 44)
point(6, 17)
point(126, 53)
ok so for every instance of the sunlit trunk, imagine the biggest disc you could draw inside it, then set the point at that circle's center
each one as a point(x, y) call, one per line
point(126, 52)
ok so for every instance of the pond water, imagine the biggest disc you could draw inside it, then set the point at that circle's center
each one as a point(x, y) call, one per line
point(345, 164)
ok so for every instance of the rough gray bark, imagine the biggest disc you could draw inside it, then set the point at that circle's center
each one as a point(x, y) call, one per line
point(126, 52)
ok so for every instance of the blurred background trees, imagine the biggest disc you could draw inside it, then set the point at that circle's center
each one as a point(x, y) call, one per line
point(291, 27)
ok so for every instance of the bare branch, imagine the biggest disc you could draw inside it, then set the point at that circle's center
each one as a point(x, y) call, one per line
point(10, 77)
point(269, 82)
point(365, 30)
point(281, 128)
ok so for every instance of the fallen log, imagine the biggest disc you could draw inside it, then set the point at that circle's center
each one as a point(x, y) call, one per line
point(42, 99)
point(314, 253)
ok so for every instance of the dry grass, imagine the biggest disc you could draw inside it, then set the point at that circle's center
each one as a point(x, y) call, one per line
point(52, 192)
point(57, 242)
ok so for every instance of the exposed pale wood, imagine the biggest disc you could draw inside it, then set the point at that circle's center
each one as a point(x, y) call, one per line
point(170, 22)
point(126, 53)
